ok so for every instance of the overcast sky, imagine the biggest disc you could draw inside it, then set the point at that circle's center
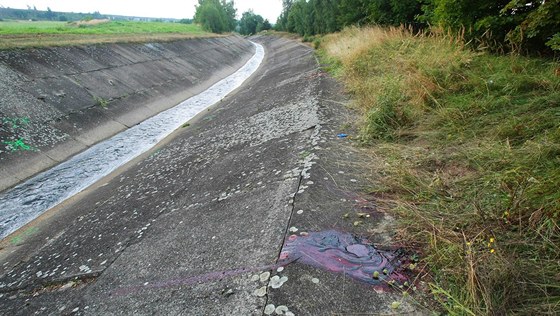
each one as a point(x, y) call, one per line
point(269, 9)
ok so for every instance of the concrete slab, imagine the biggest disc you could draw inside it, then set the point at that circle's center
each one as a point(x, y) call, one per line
point(197, 226)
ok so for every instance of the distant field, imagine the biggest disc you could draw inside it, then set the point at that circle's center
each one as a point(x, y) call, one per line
point(17, 34)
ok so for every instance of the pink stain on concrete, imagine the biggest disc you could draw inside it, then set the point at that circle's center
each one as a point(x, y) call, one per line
point(342, 253)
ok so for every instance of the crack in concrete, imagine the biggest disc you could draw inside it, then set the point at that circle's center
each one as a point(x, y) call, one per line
point(52, 285)
point(292, 211)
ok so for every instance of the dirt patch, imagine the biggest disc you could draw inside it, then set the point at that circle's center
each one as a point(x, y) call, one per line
point(91, 22)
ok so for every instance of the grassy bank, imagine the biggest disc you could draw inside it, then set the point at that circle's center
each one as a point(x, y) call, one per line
point(18, 34)
point(468, 150)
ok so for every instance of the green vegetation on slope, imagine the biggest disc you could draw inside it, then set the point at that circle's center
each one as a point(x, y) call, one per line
point(35, 34)
point(469, 150)
point(517, 25)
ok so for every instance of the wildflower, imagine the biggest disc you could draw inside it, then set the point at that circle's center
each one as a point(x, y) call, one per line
point(492, 250)
point(492, 240)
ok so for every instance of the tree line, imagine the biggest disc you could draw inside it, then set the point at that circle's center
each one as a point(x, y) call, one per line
point(218, 16)
point(48, 15)
point(530, 25)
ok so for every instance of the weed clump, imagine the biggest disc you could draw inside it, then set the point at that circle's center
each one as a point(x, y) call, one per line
point(469, 145)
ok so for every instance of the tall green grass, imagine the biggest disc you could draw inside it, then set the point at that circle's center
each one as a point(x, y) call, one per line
point(469, 150)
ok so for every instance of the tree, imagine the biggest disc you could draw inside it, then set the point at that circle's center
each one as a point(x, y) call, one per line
point(49, 15)
point(231, 12)
point(540, 25)
point(216, 16)
point(325, 13)
point(393, 12)
point(298, 18)
point(352, 12)
point(266, 25)
point(405, 11)
point(282, 21)
point(525, 24)
point(528, 25)
point(250, 23)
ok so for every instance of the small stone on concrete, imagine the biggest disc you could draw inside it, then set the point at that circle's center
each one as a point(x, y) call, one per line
point(269, 309)
point(264, 276)
point(228, 292)
point(276, 281)
point(260, 292)
point(281, 310)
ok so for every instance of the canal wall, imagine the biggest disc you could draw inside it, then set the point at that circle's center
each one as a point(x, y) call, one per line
point(56, 102)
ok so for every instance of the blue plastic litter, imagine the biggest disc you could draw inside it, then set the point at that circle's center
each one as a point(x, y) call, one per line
point(342, 135)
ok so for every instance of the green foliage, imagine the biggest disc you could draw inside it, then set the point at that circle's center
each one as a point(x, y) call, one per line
point(540, 25)
point(251, 23)
point(500, 25)
point(309, 17)
point(522, 25)
point(265, 26)
point(352, 12)
point(300, 18)
point(554, 42)
point(216, 16)
point(48, 15)
point(101, 102)
point(282, 21)
point(404, 11)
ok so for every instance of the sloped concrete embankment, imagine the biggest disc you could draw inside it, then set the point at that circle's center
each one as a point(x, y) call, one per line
point(56, 102)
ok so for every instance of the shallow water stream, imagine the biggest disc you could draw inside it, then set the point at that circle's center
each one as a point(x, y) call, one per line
point(27, 201)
